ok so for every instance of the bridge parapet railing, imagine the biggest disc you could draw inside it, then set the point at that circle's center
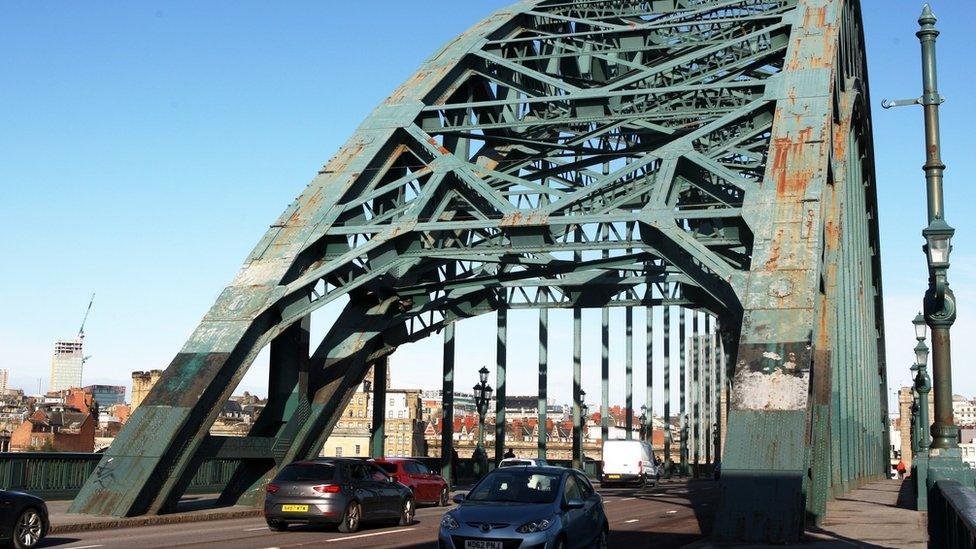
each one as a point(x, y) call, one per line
point(60, 475)
point(952, 515)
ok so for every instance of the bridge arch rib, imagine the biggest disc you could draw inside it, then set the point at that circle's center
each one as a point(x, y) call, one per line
point(557, 154)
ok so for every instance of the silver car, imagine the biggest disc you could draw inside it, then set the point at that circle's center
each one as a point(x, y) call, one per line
point(538, 507)
point(343, 492)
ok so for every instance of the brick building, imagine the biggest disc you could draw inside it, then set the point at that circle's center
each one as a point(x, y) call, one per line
point(67, 427)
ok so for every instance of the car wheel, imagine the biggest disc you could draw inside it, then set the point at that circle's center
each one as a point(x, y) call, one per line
point(277, 525)
point(351, 518)
point(407, 512)
point(28, 529)
point(560, 543)
point(445, 497)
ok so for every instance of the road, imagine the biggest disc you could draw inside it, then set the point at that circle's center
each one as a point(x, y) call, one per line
point(669, 515)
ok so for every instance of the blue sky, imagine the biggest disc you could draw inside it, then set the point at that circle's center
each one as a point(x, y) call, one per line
point(145, 148)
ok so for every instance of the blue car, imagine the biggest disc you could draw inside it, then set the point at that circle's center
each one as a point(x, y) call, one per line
point(527, 507)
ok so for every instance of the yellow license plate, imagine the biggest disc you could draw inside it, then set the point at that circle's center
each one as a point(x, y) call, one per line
point(294, 508)
point(613, 476)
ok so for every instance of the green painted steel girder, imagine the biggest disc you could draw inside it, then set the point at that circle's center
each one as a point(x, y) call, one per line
point(710, 155)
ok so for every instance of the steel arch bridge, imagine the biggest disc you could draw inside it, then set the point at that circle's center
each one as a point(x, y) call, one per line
point(712, 155)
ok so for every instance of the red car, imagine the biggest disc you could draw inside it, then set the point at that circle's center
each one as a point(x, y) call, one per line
point(426, 485)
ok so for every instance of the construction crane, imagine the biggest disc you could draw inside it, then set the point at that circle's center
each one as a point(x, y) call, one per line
point(81, 331)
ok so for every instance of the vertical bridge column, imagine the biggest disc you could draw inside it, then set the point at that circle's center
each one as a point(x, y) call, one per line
point(447, 409)
point(501, 360)
point(666, 321)
point(629, 370)
point(543, 401)
point(377, 436)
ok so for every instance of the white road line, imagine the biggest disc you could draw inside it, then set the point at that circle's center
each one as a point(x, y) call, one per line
point(333, 540)
point(630, 521)
point(255, 529)
point(627, 499)
point(84, 546)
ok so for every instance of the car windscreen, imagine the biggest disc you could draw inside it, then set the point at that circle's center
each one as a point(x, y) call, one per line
point(517, 486)
point(388, 467)
point(298, 472)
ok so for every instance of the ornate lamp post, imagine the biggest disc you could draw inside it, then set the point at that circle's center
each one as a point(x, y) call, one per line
point(584, 413)
point(923, 385)
point(367, 386)
point(643, 422)
point(482, 396)
point(939, 303)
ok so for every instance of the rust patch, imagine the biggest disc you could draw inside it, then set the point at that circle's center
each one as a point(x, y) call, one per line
point(790, 178)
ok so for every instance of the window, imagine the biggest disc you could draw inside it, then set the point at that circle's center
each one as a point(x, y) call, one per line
point(389, 413)
point(571, 489)
point(400, 414)
point(391, 403)
point(300, 472)
point(338, 451)
point(357, 449)
point(359, 413)
point(357, 471)
point(377, 474)
point(586, 489)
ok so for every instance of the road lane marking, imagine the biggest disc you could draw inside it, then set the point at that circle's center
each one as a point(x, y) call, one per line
point(333, 540)
point(630, 521)
point(627, 499)
point(84, 547)
point(255, 529)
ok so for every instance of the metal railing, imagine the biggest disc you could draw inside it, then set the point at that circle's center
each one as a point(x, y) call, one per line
point(60, 475)
point(952, 515)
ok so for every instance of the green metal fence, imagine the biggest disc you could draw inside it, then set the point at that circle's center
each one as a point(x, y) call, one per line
point(60, 475)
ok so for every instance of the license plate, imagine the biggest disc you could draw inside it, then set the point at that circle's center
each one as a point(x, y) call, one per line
point(482, 544)
point(613, 476)
point(294, 508)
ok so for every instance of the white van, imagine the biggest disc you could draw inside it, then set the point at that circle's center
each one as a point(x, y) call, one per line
point(628, 462)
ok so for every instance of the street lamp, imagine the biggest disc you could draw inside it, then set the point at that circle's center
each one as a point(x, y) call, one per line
point(584, 412)
point(643, 421)
point(367, 385)
point(482, 396)
point(939, 302)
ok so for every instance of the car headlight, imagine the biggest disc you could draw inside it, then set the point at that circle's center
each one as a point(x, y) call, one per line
point(535, 526)
point(448, 522)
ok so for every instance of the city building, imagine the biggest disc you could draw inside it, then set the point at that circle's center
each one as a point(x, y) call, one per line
point(4, 380)
point(107, 395)
point(963, 411)
point(67, 426)
point(905, 423)
point(403, 428)
point(142, 382)
point(66, 364)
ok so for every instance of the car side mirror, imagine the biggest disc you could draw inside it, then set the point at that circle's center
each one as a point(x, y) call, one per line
point(458, 498)
point(574, 503)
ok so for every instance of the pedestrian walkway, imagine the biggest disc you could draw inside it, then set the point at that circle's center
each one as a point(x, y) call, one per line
point(879, 514)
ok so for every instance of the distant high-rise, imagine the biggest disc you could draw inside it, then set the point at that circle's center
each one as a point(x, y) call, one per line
point(4, 377)
point(66, 364)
